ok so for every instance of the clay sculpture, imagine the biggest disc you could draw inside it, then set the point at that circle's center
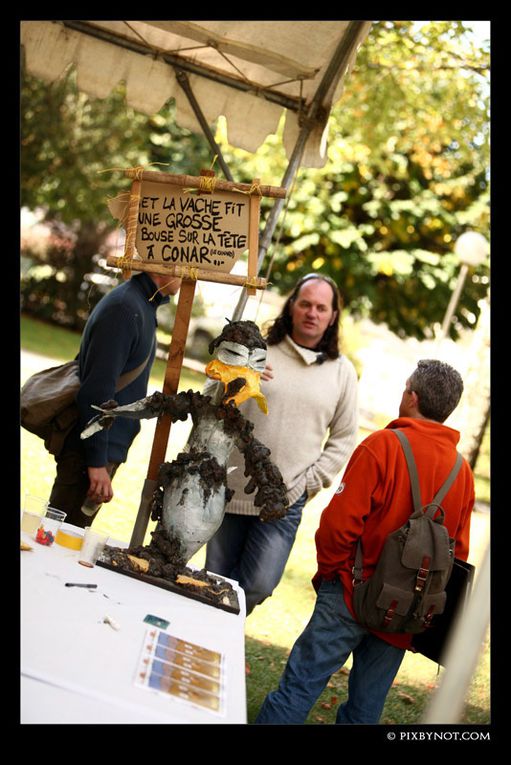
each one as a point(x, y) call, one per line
point(189, 502)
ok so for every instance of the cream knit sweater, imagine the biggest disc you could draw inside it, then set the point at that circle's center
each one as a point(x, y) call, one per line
point(311, 425)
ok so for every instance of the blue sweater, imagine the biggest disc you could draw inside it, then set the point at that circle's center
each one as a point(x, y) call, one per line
point(118, 337)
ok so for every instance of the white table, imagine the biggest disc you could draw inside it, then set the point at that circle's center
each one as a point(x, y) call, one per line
point(76, 668)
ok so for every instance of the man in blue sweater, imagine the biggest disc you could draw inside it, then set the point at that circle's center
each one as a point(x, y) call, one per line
point(119, 337)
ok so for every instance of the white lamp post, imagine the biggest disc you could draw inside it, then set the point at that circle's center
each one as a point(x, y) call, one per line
point(471, 249)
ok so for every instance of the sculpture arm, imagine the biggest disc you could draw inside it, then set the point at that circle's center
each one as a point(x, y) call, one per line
point(177, 407)
point(265, 479)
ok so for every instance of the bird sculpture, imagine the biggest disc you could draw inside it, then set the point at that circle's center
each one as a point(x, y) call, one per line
point(189, 501)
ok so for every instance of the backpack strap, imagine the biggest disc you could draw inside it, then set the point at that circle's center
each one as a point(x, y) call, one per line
point(414, 478)
point(412, 469)
point(358, 565)
point(450, 480)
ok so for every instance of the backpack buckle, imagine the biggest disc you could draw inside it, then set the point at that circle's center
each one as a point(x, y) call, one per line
point(422, 573)
point(389, 614)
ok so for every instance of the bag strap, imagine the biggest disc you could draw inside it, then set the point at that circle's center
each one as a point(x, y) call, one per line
point(416, 494)
point(449, 481)
point(414, 478)
point(412, 469)
point(128, 377)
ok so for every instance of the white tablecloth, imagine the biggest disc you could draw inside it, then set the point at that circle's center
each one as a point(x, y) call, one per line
point(77, 669)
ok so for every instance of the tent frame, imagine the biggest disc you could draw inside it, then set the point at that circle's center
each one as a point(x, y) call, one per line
point(179, 62)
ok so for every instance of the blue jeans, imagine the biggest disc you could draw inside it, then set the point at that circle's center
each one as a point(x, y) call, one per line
point(254, 553)
point(322, 649)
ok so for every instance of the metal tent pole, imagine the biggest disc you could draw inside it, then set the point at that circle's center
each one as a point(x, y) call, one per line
point(182, 79)
point(339, 59)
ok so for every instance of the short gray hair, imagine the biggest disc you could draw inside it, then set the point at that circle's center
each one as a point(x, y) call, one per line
point(438, 387)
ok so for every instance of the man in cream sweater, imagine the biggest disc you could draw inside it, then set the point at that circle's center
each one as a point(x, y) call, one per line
point(311, 429)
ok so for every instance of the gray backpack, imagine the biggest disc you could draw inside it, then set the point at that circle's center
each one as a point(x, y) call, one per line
point(407, 588)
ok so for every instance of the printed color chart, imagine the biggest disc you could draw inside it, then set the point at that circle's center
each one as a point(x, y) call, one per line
point(186, 671)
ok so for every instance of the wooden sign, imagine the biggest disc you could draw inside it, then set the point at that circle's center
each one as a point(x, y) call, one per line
point(190, 222)
point(176, 227)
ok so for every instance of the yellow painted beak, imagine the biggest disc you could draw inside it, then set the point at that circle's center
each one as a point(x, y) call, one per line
point(217, 370)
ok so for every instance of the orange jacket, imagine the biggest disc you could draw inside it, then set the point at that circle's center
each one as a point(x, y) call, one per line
point(374, 499)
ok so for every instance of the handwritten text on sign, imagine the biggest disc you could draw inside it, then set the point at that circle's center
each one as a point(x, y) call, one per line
point(201, 230)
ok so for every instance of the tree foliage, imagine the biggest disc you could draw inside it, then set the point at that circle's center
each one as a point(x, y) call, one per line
point(407, 173)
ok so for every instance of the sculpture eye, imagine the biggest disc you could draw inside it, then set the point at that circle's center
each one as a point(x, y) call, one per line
point(232, 353)
point(258, 359)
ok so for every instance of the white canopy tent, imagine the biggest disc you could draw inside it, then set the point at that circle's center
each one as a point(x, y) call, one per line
point(248, 71)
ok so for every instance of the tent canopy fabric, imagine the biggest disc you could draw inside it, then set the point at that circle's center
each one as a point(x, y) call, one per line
point(248, 71)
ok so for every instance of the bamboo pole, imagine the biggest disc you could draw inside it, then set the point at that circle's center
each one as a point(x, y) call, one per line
point(189, 272)
point(131, 224)
point(253, 236)
point(173, 368)
point(195, 182)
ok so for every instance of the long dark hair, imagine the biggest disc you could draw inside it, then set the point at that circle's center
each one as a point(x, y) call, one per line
point(283, 325)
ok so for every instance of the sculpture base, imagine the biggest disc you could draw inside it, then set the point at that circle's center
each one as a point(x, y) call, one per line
point(198, 585)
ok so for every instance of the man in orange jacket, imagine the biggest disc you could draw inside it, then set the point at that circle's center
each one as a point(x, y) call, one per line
point(373, 500)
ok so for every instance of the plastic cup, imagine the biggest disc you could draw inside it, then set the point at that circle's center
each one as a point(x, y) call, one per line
point(33, 510)
point(49, 525)
point(93, 545)
point(68, 537)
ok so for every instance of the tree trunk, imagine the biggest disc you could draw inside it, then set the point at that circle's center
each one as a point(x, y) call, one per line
point(473, 453)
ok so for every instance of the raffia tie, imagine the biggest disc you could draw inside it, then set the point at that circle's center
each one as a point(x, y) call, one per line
point(255, 188)
point(252, 281)
point(207, 185)
point(182, 272)
point(132, 172)
point(189, 272)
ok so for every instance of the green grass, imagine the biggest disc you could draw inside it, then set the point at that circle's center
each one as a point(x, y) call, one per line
point(406, 701)
point(274, 626)
point(48, 339)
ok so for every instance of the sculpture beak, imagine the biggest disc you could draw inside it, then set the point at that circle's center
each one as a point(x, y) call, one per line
point(226, 373)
